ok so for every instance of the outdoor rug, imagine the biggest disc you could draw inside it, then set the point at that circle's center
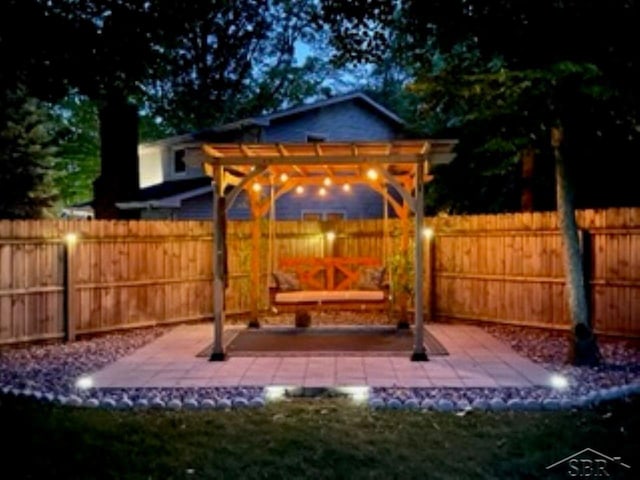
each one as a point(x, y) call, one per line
point(314, 342)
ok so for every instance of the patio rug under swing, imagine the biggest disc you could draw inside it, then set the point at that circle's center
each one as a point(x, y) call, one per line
point(326, 342)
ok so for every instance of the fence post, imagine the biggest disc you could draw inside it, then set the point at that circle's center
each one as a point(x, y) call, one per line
point(70, 293)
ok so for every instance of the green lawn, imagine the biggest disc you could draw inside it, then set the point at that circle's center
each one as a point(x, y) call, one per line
point(303, 439)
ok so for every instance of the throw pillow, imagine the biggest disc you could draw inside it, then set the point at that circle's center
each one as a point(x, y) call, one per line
point(370, 278)
point(287, 281)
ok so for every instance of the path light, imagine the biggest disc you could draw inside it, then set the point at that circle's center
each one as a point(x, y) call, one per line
point(358, 394)
point(299, 189)
point(84, 382)
point(284, 177)
point(327, 181)
point(256, 187)
point(331, 236)
point(71, 238)
point(427, 232)
point(372, 174)
point(346, 187)
point(274, 393)
point(322, 192)
point(558, 381)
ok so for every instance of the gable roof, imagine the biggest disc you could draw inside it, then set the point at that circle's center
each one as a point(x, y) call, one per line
point(332, 101)
point(213, 134)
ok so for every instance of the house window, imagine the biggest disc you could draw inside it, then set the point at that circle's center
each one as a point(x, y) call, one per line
point(319, 215)
point(179, 165)
point(315, 138)
point(331, 216)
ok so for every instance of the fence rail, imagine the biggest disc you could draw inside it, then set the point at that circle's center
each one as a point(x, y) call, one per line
point(126, 274)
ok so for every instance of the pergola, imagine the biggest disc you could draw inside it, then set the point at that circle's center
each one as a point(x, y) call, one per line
point(283, 167)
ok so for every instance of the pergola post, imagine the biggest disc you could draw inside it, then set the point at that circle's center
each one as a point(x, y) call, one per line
point(217, 353)
point(419, 352)
point(254, 204)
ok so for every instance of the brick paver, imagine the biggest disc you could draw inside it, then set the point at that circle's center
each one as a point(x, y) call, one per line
point(475, 359)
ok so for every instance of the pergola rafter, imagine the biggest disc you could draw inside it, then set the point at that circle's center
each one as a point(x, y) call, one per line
point(285, 166)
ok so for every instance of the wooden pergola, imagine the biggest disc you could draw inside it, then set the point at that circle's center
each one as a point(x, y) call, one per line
point(283, 167)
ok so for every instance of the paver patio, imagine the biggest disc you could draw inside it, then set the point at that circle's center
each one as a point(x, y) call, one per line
point(476, 359)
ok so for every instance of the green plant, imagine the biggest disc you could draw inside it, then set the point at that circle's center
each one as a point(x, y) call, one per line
point(401, 272)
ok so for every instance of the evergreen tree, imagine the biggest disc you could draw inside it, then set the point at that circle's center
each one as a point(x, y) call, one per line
point(28, 135)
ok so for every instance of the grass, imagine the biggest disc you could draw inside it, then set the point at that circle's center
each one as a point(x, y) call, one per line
point(303, 439)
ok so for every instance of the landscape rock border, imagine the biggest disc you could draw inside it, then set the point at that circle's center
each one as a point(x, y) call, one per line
point(48, 373)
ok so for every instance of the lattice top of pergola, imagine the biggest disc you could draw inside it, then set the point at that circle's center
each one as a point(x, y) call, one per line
point(287, 166)
point(320, 163)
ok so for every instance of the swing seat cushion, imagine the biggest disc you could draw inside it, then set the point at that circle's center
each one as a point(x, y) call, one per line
point(329, 296)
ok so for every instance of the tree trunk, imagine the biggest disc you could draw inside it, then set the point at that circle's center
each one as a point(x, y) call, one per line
point(119, 174)
point(527, 157)
point(583, 346)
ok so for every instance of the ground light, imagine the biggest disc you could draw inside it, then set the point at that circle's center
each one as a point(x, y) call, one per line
point(84, 382)
point(331, 236)
point(427, 232)
point(274, 393)
point(558, 381)
point(357, 394)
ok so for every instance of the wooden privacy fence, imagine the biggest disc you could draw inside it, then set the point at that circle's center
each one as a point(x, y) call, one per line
point(509, 268)
point(125, 274)
point(108, 275)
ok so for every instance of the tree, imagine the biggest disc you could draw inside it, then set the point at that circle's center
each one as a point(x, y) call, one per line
point(28, 135)
point(79, 164)
point(527, 42)
point(226, 60)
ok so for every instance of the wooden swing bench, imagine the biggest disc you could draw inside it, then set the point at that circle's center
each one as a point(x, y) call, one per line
point(329, 283)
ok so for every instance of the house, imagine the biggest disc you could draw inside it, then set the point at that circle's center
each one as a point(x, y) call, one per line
point(171, 188)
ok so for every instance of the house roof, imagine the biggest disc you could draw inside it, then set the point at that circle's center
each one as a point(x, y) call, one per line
point(214, 133)
point(168, 194)
point(332, 101)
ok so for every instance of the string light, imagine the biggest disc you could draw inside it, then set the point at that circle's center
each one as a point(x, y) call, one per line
point(299, 189)
point(331, 236)
point(284, 177)
point(372, 174)
point(322, 192)
point(346, 187)
point(327, 181)
point(256, 187)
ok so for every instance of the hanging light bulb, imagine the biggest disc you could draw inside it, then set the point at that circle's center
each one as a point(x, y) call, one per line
point(299, 189)
point(327, 181)
point(322, 192)
point(256, 187)
point(346, 187)
point(284, 177)
point(372, 174)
